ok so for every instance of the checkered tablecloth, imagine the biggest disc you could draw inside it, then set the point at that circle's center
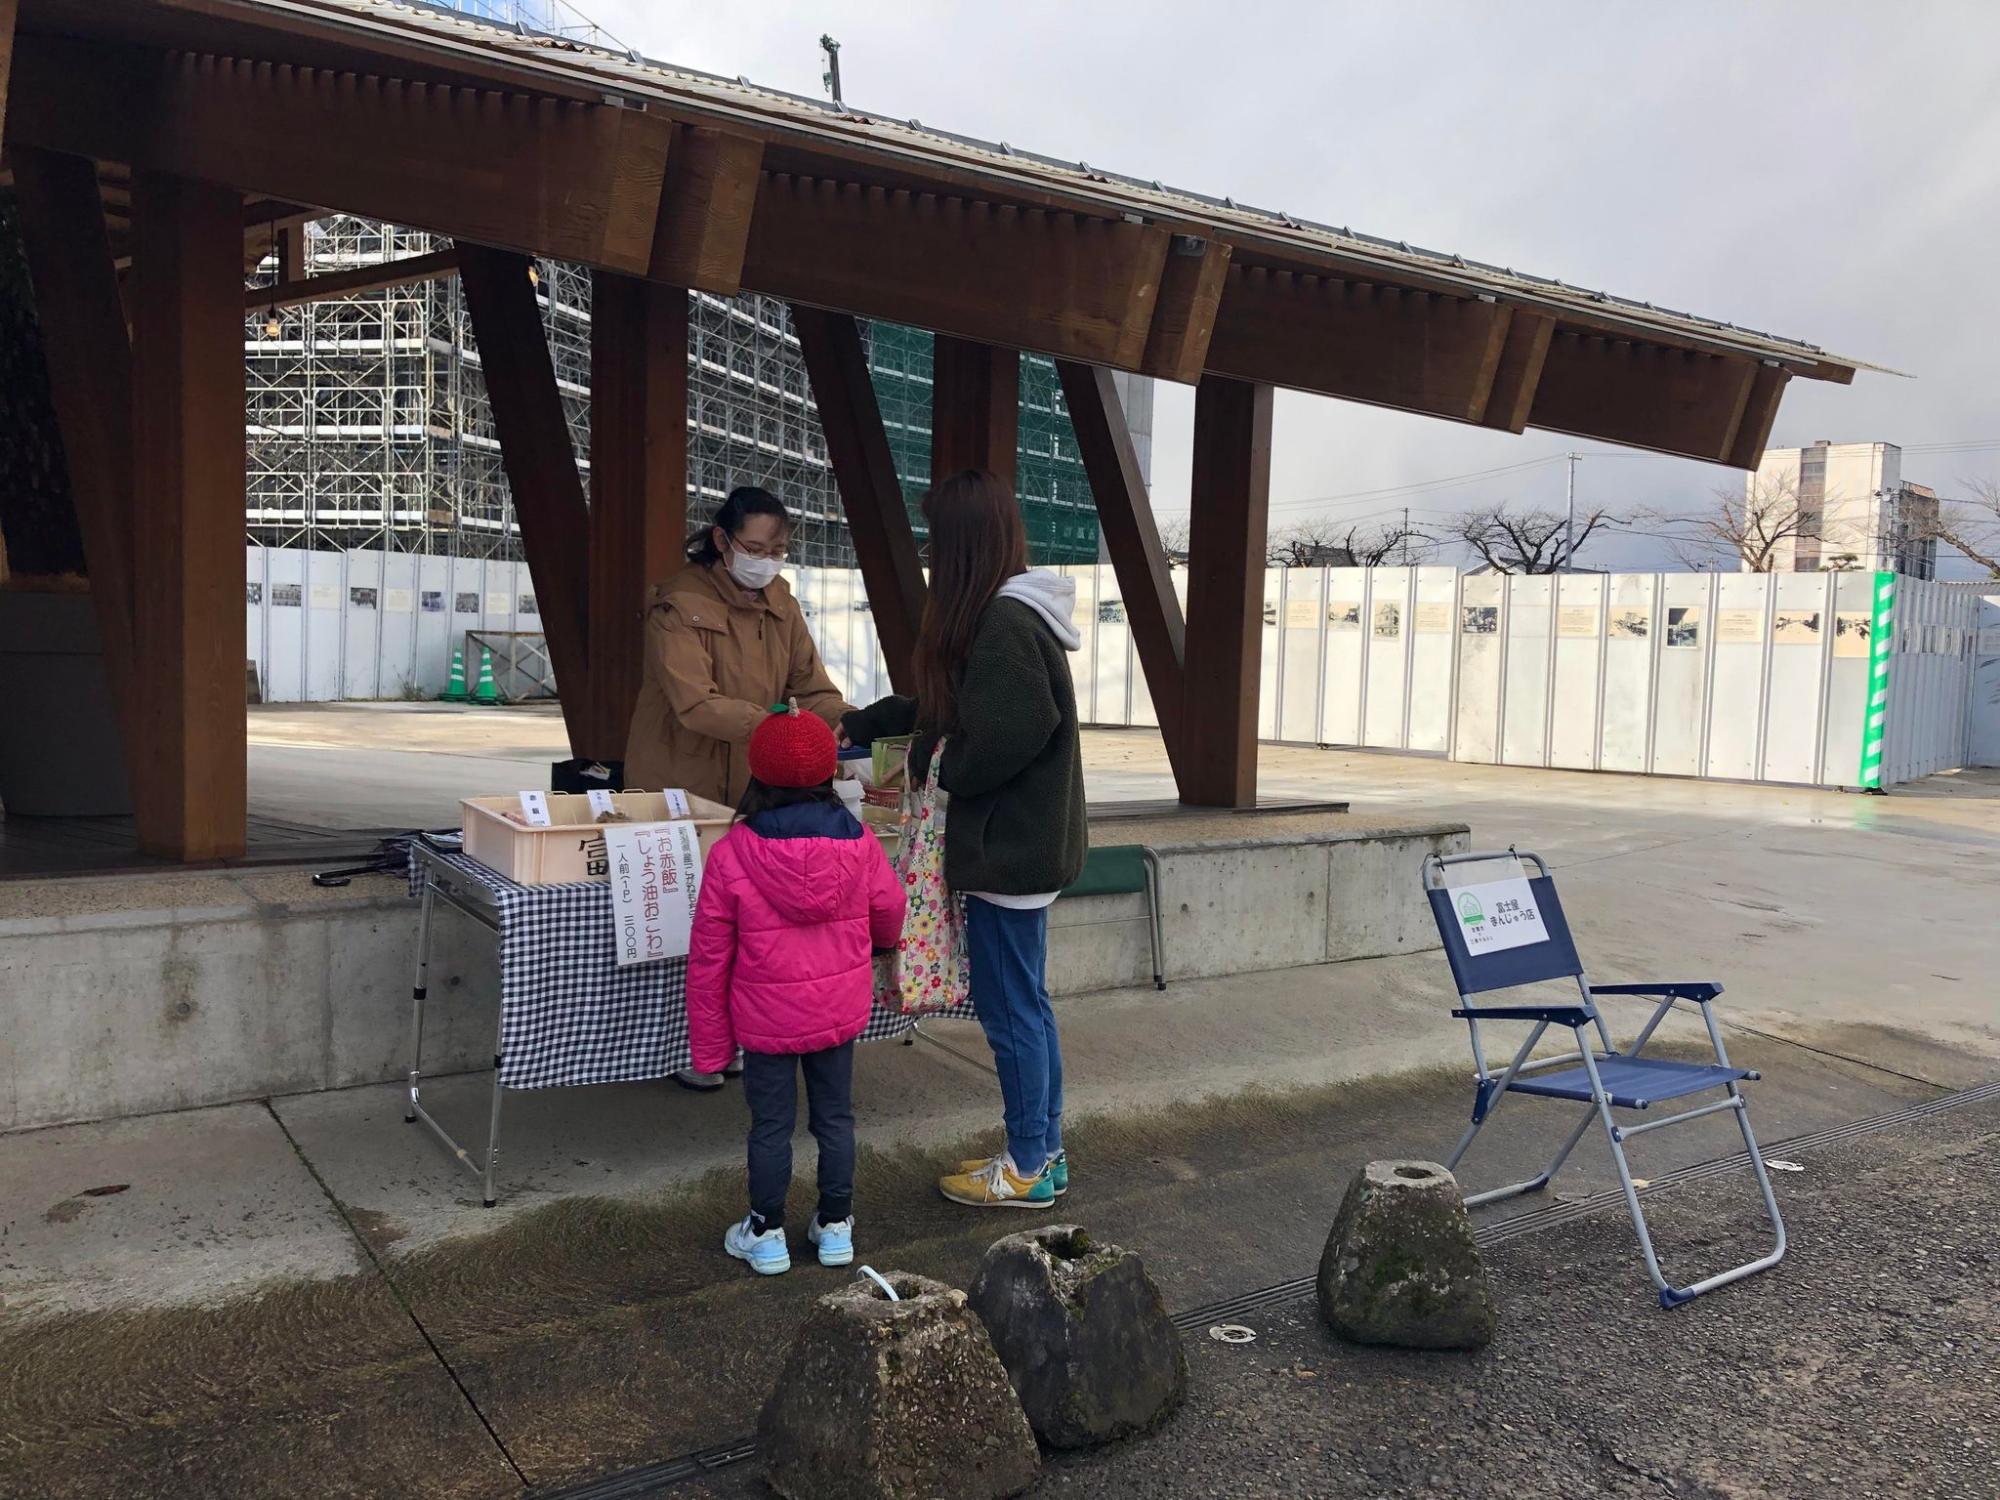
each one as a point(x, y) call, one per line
point(568, 1014)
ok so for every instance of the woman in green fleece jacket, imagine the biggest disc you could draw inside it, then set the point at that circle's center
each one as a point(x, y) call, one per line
point(993, 682)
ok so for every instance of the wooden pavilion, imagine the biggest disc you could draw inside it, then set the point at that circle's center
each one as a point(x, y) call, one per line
point(156, 146)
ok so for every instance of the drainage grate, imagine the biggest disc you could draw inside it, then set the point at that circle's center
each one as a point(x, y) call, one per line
point(633, 1484)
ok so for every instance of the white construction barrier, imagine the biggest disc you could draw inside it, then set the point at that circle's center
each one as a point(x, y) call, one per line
point(1829, 679)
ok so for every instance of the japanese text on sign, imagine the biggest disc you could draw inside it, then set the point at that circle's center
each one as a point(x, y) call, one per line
point(1498, 914)
point(655, 872)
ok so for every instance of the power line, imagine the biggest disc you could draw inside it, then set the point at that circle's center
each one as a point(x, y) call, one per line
point(1419, 486)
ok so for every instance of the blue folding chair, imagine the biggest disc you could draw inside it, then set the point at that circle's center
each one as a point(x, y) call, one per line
point(1502, 949)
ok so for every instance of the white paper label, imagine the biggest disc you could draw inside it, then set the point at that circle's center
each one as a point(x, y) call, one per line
point(535, 808)
point(499, 604)
point(655, 882)
point(600, 801)
point(677, 803)
point(325, 596)
point(1498, 914)
point(401, 600)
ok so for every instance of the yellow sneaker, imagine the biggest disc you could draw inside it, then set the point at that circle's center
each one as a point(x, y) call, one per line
point(996, 1186)
point(1058, 1173)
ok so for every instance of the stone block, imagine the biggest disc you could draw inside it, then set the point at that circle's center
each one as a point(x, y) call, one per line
point(1401, 1267)
point(902, 1400)
point(1084, 1334)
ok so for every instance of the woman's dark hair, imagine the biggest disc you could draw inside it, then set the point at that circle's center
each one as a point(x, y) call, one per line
point(977, 544)
point(758, 798)
point(744, 502)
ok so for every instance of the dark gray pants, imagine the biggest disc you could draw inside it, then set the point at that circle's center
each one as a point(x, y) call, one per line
point(771, 1088)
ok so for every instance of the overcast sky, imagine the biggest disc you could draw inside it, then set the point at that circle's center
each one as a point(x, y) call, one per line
point(1822, 170)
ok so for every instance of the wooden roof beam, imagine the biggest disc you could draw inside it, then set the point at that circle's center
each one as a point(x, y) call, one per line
point(551, 177)
point(1526, 350)
point(406, 271)
point(1417, 351)
point(705, 210)
point(1644, 396)
point(1760, 413)
point(1056, 283)
point(1191, 285)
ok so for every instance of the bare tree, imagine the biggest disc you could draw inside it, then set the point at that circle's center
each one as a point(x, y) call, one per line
point(1970, 523)
point(1323, 542)
point(1527, 541)
point(1174, 538)
point(1752, 526)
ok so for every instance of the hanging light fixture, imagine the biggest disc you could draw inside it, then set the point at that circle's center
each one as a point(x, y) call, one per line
point(273, 326)
point(534, 274)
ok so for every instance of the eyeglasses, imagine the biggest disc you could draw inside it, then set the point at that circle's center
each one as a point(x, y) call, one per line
point(777, 552)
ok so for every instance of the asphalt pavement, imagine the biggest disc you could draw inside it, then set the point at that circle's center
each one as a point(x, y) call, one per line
point(1865, 1364)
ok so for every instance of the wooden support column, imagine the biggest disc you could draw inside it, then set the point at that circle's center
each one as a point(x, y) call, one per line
point(540, 462)
point(857, 446)
point(975, 408)
point(189, 781)
point(638, 485)
point(1231, 492)
point(1132, 537)
point(89, 355)
point(8, 9)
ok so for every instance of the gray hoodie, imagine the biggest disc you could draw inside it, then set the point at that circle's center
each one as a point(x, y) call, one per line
point(1051, 596)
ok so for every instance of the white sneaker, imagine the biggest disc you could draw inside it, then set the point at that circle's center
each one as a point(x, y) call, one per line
point(835, 1241)
point(701, 1083)
point(767, 1253)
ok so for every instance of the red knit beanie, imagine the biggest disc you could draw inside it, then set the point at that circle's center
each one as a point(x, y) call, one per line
point(793, 749)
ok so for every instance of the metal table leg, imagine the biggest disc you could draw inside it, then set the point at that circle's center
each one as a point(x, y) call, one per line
point(493, 1121)
point(487, 1171)
point(418, 992)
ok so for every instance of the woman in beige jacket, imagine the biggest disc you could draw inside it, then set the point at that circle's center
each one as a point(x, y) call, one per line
point(725, 640)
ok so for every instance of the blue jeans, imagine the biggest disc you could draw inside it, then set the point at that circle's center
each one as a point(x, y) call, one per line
point(1010, 994)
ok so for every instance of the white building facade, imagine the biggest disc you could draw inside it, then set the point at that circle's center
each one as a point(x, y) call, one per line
point(1856, 511)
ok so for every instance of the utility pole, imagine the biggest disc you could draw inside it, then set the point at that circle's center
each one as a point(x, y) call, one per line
point(830, 79)
point(1569, 523)
point(1406, 536)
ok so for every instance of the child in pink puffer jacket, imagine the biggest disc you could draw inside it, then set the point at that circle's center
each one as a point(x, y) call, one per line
point(795, 901)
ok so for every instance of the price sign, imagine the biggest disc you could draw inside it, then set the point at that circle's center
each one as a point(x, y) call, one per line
point(600, 801)
point(655, 882)
point(535, 808)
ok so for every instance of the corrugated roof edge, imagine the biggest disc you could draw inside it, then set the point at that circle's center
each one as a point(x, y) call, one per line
point(1078, 178)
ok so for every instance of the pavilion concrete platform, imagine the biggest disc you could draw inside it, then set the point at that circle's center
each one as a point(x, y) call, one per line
point(127, 994)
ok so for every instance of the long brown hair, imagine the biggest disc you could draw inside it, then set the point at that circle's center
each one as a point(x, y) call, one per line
point(977, 544)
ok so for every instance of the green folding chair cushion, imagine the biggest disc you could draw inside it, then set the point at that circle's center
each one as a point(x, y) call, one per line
point(1119, 870)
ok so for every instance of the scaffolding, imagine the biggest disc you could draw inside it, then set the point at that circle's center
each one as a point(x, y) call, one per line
point(368, 425)
point(548, 17)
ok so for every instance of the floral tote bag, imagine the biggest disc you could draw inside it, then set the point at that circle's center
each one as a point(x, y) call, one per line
point(930, 970)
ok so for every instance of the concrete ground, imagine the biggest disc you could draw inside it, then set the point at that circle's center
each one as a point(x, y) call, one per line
point(220, 1300)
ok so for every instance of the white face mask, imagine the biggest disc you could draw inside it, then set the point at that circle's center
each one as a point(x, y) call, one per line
point(753, 572)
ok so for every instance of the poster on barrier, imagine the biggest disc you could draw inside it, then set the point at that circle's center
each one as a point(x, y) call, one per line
point(655, 882)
